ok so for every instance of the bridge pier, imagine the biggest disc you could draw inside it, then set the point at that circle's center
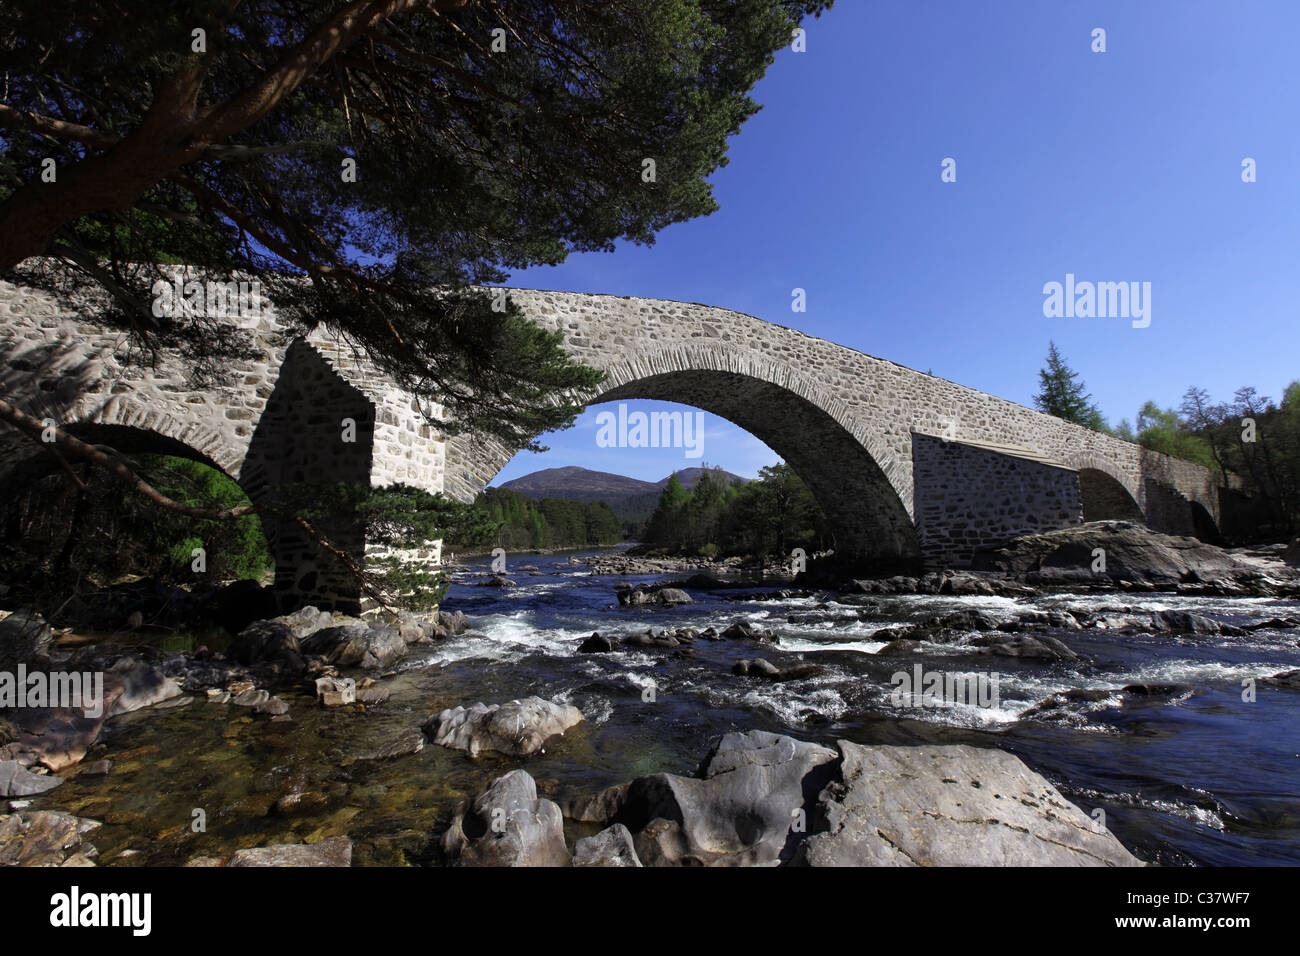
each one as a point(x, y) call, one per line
point(313, 445)
point(968, 496)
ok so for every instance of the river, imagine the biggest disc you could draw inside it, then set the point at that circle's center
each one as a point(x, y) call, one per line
point(1189, 774)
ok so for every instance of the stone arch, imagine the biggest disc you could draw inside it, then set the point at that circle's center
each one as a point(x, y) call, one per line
point(783, 408)
point(1104, 497)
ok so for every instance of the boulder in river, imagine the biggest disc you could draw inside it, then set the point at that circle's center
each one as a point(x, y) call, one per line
point(17, 781)
point(612, 846)
point(336, 851)
point(740, 810)
point(634, 597)
point(270, 641)
point(951, 806)
point(507, 825)
point(368, 646)
point(517, 727)
point(1133, 553)
point(597, 644)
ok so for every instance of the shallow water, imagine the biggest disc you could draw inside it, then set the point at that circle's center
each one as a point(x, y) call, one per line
point(1199, 776)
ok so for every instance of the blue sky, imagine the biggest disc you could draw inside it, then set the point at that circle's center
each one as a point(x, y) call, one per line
point(1115, 166)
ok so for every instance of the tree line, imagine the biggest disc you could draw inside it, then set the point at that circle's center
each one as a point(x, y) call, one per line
point(519, 523)
point(769, 516)
point(1252, 442)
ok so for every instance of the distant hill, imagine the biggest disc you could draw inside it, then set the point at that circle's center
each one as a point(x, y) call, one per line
point(630, 498)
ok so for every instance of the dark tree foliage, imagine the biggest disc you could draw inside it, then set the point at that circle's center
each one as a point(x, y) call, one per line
point(94, 537)
point(487, 136)
point(767, 517)
point(516, 522)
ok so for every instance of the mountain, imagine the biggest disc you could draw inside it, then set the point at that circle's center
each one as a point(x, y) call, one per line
point(580, 484)
point(630, 498)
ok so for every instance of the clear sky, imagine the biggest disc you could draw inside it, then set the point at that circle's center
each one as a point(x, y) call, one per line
point(1117, 166)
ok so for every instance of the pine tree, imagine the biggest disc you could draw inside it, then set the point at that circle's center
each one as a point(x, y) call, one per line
point(1063, 394)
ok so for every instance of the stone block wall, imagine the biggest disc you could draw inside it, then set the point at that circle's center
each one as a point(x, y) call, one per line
point(968, 497)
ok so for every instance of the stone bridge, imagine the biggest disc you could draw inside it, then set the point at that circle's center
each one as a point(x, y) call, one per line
point(910, 468)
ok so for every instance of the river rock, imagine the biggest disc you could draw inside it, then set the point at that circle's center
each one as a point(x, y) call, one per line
point(1039, 646)
point(597, 644)
point(17, 781)
point(610, 847)
point(142, 685)
point(744, 631)
point(632, 597)
point(517, 727)
point(951, 806)
point(336, 851)
point(1134, 553)
point(368, 646)
point(43, 838)
point(336, 691)
point(758, 667)
point(740, 809)
point(270, 641)
point(1290, 679)
point(507, 825)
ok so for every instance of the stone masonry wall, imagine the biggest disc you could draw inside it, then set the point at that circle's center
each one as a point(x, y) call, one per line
point(968, 497)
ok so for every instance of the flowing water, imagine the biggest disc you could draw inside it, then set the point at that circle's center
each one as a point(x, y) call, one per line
point(1192, 774)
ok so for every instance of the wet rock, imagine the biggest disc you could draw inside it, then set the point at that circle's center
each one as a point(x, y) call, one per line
point(270, 641)
point(745, 807)
point(336, 691)
point(1134, 553)
point(634, 597)
point(951, 806)
point(43, 838)
point(517, 727)
point(507, 825)
point(599, 808)
point(610, 847)
point(142, 685)
point(369, 647)
point(497, 581)
point(452, 622)
point(1289, 679)
point(17, 781)
point(597, 644)
point(744, 631)
point(1188, 622)
point(650, 639)
point(100, 768)
point(758, 667)
point(1024, 645)
point(1065, 705)
point(336, 851)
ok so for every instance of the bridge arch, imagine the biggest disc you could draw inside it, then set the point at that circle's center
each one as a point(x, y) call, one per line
point(811, 430)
